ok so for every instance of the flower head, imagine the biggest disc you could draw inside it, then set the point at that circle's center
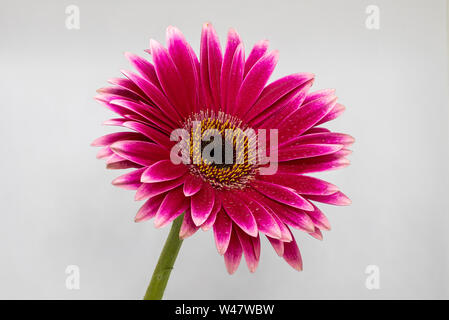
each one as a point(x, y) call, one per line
point(226, 117)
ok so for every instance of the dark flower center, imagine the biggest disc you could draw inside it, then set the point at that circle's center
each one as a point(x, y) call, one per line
point(222, 150)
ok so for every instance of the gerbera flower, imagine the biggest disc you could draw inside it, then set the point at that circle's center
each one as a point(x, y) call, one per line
point(224, 91)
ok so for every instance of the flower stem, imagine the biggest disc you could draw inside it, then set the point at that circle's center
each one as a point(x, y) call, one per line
point(164, 266)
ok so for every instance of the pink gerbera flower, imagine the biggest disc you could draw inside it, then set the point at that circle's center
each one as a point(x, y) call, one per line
point(224, 91)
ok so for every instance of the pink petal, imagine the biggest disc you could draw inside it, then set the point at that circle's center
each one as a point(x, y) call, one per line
point(181, 53)
point(337, 199)
point(155, 135)
point(305, 117)
point(277, 245)
point(265, 221)
point(302, 184)
point(104, 153)
point(234, 80)
point(317, 234)
point(174, 204)
point(155, 95)
point(292, 255)
point(291, 216)
point(275, 91)
point(319, 219)
point(149, 209)
point(222, 231)
point(192, 185)
point(239, 213)
point(259, 49)
point(233, 254)
point(152, 189)
point(188, 228)
point(283, 108)
point(232, 71)
point(317, 164)
point(119, 92)
point(255, 81)
point(110, 138)
point(130, 86)
point(169, 77)
point(144, 67)
point(334, 113)
point(251, 249)
point(125, 164)
point(323, 138)
point(202, 203)
point(163, 170)
point(282, 194)
point(130, 180)
point(211, 61)
point(307, 151)
point(151, 114)
point(213, 215)
point(144, 153)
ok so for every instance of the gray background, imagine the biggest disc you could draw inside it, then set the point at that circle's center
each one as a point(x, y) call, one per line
point(57, 204)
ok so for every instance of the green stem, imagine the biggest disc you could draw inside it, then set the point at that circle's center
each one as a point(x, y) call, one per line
point(165, 263)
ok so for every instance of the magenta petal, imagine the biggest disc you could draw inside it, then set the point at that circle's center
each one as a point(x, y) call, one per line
point(202, 203)
point(334, 113)
point(233, 42)
point(169, 77)
point(222, 231)
point(233, 254)
point(130, 180)
point(213, 215)
point(144, 153)
point(144, 67)
point(163, 170)
point(152, 189)
point(104, 152)
point(210, 64)
point(118, 92)
point(277, 245)
point(154, 134)
point(109, 139)
point(307, 151)
point(324, 138)
point(265, 221)
point(337, 199)
point(125, 164)
point(302, 184)
point(147, 113)
point(258, 51)
point(239, 213)
point(255, 81)
point(282, 194)
point(319, 219)
point(275, 91)
point(149, 209)
point(234, 80)
point(153, 93)
point(181, 53)
point(292, 255)
point(296, 219)
point(192, 185)
point(188, 228)
point(317, 164)
point(317, 234)
point(291, 216)
point(251, 249)
point(174, 204)
point(305, 117)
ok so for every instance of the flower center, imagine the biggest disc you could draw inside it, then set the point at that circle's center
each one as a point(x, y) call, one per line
point(222, 149)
